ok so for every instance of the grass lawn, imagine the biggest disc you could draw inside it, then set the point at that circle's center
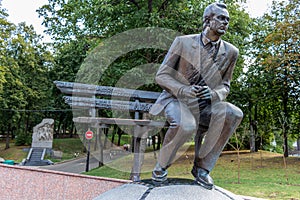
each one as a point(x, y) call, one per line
point(262, 174)
point(68, 146)
point(15, 153)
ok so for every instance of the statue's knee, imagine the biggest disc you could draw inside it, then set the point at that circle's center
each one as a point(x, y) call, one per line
point(239, 113)
point(234, 112)
point(189, 125)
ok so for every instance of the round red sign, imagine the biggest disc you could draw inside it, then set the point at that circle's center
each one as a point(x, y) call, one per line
point(89, 135)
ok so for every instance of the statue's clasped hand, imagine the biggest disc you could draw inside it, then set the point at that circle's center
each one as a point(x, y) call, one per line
point(201, 92)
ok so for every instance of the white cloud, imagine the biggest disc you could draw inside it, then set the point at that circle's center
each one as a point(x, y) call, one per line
point(257, 8)
point(25, 11)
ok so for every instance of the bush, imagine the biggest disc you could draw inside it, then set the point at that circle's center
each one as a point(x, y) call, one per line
point(23, 139)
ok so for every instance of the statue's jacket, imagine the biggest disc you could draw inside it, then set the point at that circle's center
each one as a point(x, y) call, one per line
point(187, 63)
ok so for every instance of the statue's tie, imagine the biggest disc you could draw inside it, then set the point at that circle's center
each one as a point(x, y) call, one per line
point(211, 48)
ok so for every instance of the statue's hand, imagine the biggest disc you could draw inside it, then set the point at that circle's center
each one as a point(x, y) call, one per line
point(188, 91)
point(203, 92)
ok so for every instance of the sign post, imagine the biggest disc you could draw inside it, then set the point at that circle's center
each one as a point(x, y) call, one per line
point(88, 135)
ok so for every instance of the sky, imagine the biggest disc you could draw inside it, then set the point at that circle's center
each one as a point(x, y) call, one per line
point(24, 10)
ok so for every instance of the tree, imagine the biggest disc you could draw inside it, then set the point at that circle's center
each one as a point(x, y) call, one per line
point(277, 61)
point(67, 61)
point(34, 61)
point(11, 94)
point(24, 63)
point(79, 26)
point(92, 21)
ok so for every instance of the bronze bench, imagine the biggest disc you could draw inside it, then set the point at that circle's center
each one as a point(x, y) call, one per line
point(136, 102)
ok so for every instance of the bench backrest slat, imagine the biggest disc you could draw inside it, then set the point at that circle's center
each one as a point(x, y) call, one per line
point(83, 102)
point(105, 91)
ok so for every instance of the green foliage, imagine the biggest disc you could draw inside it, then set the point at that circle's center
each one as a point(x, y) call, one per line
point(90, 22)
point(23, 139)
point(24, 66)
point(77, 27)
point(272, 80)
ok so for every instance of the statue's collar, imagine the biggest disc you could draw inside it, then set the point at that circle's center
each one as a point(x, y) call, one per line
point(205, 40)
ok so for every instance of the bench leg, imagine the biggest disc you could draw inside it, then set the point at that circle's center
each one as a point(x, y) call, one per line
point(140, 143)
point(99, 134)
point(105, 130)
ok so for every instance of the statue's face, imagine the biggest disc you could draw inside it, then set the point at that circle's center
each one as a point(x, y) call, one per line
point(219, 22)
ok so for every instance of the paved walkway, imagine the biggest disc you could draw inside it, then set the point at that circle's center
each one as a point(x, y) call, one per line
point(79, 165)
point(76, 166)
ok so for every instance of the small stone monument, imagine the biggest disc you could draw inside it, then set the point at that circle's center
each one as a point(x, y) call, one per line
point(42, 140)
point(42, 136)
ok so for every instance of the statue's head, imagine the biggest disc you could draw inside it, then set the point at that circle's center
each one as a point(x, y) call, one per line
point(216, 18)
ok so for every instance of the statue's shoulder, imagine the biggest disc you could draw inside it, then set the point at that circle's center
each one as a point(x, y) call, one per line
point(188, 37)
point(230, 47)
point(188, 40)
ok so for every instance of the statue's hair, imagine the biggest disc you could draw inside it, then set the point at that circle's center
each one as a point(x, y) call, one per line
point(210, 11)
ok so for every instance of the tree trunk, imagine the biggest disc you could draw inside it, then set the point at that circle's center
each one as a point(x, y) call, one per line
point(113, 138)
point(72, 130)
point(27, 122)
point(255, 129)
point(298, 144)
point(58, 128)
point(149, 6)
point(64, 128)
point(285, 136)
point(252, 138)
point(285, 143)
point(119, 139)
point(7, 142)
point(75, 130)
point(252, 135)
point(7, 137)
point(285, 99)
point(119, 132)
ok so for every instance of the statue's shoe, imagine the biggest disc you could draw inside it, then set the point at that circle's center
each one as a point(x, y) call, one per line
point(203, 178)
point(159, 174)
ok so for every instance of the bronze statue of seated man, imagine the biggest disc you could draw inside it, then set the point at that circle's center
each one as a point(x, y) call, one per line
point(195, 76)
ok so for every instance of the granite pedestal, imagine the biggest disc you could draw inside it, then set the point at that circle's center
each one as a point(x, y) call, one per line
point(173, 189)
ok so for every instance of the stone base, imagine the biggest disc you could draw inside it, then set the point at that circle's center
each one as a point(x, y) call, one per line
point(37, 163)
point(26, 183)
point(173, 189)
